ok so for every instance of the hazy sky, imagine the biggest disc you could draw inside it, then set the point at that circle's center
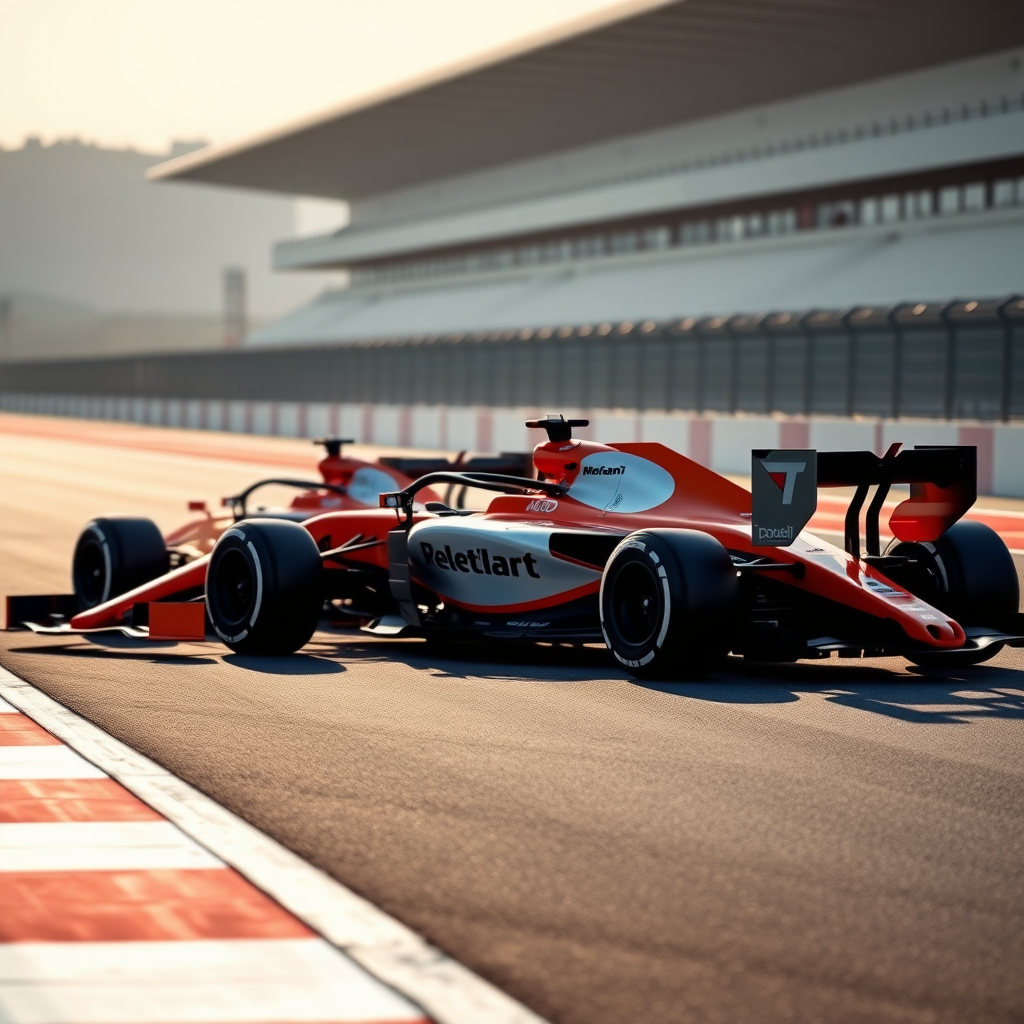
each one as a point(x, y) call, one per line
point(141, 73)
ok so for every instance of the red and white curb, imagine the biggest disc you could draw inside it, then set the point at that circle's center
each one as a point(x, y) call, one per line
point(128, 897)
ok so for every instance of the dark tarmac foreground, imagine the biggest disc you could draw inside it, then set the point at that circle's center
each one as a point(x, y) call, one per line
point(837, 841)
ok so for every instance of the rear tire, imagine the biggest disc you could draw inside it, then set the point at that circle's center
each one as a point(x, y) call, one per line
point(668, 602)
point(264, 587)
point(969, 574)
point(116, 554)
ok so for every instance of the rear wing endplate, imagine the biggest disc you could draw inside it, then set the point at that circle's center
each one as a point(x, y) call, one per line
point(785, 482)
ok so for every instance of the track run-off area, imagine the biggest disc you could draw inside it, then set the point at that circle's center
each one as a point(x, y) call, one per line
point(831, 841)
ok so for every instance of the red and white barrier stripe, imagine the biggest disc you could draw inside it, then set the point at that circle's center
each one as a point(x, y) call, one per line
point(127, 895)
point(110, 913)
point(721, 442)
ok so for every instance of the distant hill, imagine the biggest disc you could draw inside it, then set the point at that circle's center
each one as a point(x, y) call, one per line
point(36, 326)
point(85, 239)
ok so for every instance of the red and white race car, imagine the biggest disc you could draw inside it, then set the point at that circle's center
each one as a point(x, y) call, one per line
point(117, 553)
point(671, 565)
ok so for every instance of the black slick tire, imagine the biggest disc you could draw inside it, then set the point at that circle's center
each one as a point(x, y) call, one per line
point(115, 554)
point(969, 574)
point(264, 587)
point(669, 602)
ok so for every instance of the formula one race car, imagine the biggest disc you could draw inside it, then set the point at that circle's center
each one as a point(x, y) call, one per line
point(669, 564)
point(115, 554)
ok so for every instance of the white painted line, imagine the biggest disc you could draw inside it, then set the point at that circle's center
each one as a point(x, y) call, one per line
point(238, 980)
point(1008, 512)
point(449, 992)
point(28, 860)
point(49, 762)
point(100, 846)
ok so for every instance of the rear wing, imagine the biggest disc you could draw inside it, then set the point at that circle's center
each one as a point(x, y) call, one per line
point(785, 482)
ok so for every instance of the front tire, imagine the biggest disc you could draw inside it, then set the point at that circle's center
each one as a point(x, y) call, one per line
point(668, 603)
point(116, 554)
point(264, 587)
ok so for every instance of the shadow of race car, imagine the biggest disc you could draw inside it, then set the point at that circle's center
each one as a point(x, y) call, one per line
point(635, 546)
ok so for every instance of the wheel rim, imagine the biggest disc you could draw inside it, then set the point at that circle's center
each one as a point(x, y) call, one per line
point(235, 589)
point(922, 577)
point(636, 604)
point(90, 573)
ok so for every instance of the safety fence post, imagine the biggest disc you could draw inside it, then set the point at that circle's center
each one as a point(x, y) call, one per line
point(896, 406)
point(851, 357)
point(950, 354)
point(1006, 392)
point(808, 361)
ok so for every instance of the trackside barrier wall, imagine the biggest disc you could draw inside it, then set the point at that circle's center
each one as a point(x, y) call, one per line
point(960, 360)
point(721, 442)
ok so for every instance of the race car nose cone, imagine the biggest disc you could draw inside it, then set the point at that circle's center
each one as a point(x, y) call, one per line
point(948, 633)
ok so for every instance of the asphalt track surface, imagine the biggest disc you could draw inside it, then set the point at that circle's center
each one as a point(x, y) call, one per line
point(835, 841)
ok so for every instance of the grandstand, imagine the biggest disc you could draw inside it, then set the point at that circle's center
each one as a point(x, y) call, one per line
point(666, 160)
point(717, 224)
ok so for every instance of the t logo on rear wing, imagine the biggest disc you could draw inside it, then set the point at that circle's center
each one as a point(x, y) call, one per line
point(784, 486)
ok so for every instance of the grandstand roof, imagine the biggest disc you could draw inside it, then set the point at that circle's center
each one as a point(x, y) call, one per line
point(636, 66)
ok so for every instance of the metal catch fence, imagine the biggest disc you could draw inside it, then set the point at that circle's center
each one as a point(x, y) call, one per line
point(958, 360)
